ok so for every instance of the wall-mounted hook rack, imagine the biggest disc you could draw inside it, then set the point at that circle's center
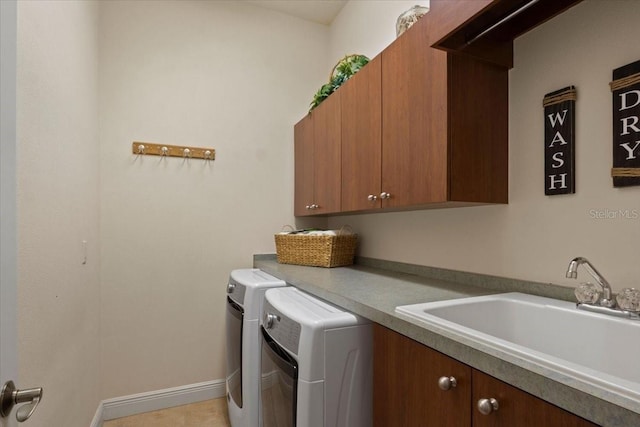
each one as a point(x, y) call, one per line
point(150, 148)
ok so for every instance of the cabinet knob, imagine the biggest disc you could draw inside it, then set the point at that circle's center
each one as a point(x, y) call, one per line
point(487, 406)
point(314, 206)
point(372, 198)
point(385, 195)
point(447, 383)
point(308, 207)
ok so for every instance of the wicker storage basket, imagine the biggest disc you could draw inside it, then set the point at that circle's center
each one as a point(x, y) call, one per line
point(316, 250)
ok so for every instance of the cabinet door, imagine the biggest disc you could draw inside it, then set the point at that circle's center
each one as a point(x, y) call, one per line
point(405, 385)
point(361, 139)
point(326, 156)
point(303, 170)
point(414, 119)
point(517, 408)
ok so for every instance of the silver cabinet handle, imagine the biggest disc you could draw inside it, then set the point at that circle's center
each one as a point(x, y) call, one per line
point(10, 396)
point(385, 195)
point(314, 206)
point(447, 383)
point(308, 207)
point(372, 198)
point(487, 406)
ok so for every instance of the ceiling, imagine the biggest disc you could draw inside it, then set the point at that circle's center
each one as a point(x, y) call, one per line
point(320, 11)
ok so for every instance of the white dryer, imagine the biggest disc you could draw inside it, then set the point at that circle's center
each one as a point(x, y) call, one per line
point(316, 363)
point(245, 294)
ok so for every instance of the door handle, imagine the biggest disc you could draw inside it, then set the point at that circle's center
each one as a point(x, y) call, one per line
point(10, 396)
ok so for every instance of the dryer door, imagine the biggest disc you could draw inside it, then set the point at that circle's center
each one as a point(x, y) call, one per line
point(279, 384)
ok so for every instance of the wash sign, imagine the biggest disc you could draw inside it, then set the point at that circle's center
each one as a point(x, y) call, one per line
point(559, 141)
point(626, 125)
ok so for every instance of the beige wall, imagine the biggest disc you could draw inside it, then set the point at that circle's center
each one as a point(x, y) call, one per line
point(147, 310)
point(534, 236)
point(366, 27)
point(58, 208)
point(222, 74)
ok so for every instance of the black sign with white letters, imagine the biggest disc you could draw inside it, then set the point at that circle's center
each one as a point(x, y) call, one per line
point(559, 141)
point(626, 125)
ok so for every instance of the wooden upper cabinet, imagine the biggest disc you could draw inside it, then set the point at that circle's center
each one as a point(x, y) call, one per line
point(516, 407)
point(417, 127)
point(317, 160)
point(326, 158)
point(424, 123)
point(361, 139)
point(414, 119)
point(478, 104)
point(444, 123)
point(303, 167)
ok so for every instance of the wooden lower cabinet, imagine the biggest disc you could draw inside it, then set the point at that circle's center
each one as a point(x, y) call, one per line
point(405, 384)
point(516, 407)
point(406, 391)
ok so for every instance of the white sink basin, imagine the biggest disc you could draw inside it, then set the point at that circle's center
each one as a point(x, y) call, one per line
point(594, 348)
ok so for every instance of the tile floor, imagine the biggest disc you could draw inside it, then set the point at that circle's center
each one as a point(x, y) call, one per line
point(210, 413)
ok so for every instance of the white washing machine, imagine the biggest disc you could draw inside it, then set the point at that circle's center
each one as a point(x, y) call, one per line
point(316, 363)
point(245, 294)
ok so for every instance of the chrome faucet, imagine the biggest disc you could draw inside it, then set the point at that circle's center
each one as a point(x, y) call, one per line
point(628, 300)
point(607, 294)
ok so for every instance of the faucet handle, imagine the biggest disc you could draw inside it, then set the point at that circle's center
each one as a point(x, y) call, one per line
point(587, 293)
point(629, 299)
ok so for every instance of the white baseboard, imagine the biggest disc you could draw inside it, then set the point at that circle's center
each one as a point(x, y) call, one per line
point(97, 418)
point(124, 406)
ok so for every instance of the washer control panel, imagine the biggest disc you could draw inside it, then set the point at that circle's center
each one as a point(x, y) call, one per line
point(236, 291)
point(283, 330)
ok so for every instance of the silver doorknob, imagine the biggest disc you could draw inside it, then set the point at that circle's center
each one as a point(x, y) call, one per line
point(10, 396)
point(269, 318)
point(385, 195)
point(231, 287)
point(372, 198)
point(487, 406)
point(447, 383)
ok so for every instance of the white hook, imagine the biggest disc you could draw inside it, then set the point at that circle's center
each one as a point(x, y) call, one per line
point(141, 149)
point(207, 154)
point(186, 153)
point(164, 151)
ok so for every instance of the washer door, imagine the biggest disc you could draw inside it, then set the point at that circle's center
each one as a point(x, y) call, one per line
point(279, 384)
point(234, 321)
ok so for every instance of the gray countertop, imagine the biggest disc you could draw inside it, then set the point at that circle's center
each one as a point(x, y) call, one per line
point(373, 289)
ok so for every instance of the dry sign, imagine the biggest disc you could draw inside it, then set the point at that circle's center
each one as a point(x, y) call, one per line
point(559, 141)
point(626, 125)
